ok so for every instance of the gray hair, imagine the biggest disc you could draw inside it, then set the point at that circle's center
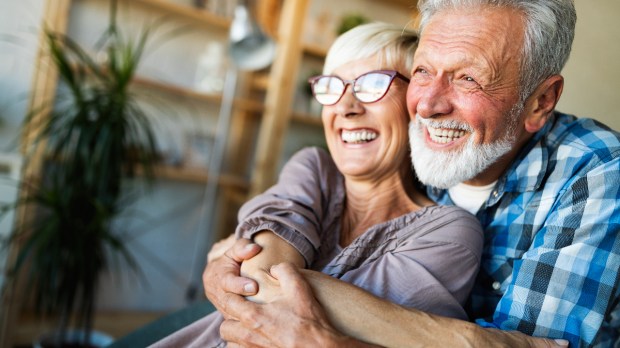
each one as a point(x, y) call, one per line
point(395, 45)
point(549, 33)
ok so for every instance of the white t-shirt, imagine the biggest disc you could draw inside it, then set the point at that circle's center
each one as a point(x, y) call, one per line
point(470, 197)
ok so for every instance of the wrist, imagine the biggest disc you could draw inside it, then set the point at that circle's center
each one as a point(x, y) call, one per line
point(337, 341)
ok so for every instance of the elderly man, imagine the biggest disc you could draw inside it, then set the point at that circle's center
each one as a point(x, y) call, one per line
point(484, 136)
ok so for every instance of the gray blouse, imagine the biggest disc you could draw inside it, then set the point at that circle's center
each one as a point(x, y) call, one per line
point(427, 259)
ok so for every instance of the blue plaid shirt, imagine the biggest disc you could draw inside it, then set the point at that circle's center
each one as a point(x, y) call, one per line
point(551, 260)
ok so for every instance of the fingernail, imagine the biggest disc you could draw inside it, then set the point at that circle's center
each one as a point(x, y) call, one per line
point(562, 342)
point(249, 288)
point(249, 247)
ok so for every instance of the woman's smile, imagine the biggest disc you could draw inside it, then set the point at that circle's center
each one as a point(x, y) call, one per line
point(358, 136)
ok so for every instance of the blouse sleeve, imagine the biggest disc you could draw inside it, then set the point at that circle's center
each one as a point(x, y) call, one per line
point(296, 206)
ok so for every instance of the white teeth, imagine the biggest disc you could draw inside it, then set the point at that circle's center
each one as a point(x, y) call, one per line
point(443, 135)
point(358, 136)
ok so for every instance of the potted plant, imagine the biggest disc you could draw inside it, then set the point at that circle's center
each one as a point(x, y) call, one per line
point(93, 138)
point(350, 21)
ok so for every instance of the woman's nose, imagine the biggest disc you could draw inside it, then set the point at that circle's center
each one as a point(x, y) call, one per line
point(348, 105)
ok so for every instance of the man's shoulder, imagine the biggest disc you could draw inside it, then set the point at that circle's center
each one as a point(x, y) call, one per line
point(573, 136)
point(565, 150)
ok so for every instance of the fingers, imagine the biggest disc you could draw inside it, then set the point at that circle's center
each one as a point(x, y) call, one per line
point(548, 343)
point(235, 306)
point(218, 249)
point(222, 276)
point(223, 273)
point(243, 249)
point(222, 280)
point(291, 281)
point(237, 335)
point(519, 339)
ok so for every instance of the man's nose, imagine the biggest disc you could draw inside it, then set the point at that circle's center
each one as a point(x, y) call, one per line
point(433, 98)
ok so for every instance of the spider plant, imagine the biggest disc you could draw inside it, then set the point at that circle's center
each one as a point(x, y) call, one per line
point(94, 137)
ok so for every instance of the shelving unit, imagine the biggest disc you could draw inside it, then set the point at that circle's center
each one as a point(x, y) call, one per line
point(315, 50)
point(243, 104)
point(199, 15)
point(197, 175)
point(248, 106)
point(233, 185)
point(311, 120)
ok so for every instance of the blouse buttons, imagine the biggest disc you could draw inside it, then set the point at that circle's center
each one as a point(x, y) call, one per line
point(496, 285)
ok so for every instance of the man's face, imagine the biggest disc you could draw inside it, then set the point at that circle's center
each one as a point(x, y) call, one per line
point(463, 97)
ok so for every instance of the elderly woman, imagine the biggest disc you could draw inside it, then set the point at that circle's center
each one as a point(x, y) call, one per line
point(356, 213)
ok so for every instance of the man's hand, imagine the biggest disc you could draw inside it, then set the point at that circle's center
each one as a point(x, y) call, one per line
point(221, 278)
point(295, 319)
point(219, 248)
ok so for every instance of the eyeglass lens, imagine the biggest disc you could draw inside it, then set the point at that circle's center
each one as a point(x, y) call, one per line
point(367, 88)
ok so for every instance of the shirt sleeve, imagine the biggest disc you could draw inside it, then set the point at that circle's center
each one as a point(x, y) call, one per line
point(433, 271)
point(295, 207)
point(567, 282)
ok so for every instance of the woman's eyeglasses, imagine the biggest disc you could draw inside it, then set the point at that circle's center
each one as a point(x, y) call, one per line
point(367, 88)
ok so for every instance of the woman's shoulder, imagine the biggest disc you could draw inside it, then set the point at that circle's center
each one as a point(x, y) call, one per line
point(314, 159)
point(450, 224)
point(452, 212)
point(312, 154)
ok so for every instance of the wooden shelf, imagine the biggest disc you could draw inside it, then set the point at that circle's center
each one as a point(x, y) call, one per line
point(260, 81)
point(308, 119)
point(315, 50)
point(194, 13)
point(243, 104)
point(198, 175)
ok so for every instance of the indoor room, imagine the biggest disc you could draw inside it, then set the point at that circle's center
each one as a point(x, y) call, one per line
point(209, 100)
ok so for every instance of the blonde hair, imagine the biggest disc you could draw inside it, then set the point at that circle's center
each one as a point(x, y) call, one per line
point(394, 45)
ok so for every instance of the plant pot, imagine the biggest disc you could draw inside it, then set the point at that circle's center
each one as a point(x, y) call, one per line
point(97, 339)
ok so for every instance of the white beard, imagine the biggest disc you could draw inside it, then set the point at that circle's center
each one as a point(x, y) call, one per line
point(444, 169)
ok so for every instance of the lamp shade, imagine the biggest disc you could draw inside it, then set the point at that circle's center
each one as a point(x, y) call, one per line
point(250, 48)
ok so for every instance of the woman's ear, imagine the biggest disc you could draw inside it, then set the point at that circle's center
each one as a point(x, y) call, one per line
point(542, 102)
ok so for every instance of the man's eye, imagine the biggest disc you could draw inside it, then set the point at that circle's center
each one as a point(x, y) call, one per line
point(469, 82)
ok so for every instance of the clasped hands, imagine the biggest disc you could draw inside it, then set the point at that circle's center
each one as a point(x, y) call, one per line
point(293, 318)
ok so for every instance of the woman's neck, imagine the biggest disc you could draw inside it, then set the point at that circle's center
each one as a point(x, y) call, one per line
point(371, 203)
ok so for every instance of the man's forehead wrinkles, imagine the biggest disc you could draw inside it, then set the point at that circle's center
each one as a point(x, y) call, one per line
point(454, 53)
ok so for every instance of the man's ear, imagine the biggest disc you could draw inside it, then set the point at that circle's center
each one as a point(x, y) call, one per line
point(542, 102)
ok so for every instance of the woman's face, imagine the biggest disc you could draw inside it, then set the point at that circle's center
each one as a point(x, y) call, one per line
point(368, 140)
